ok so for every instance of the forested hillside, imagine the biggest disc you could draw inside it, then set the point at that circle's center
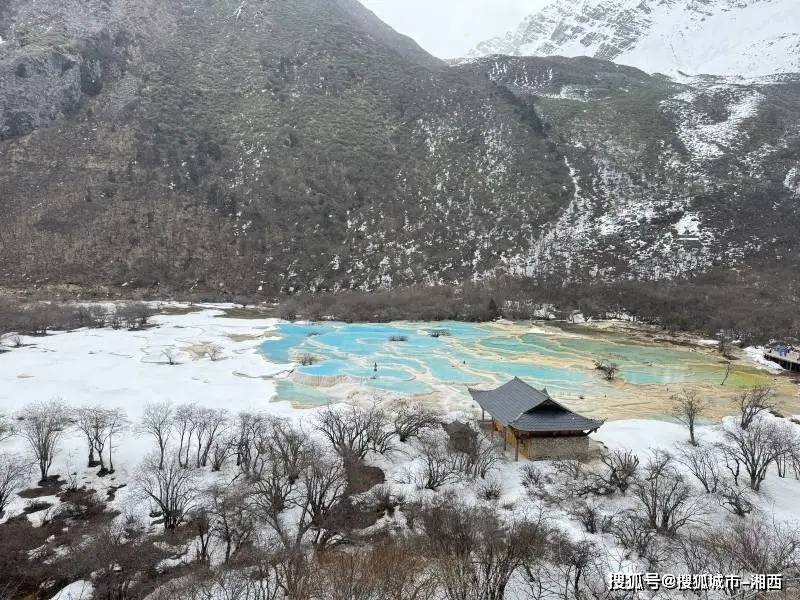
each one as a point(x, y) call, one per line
point(270, 147)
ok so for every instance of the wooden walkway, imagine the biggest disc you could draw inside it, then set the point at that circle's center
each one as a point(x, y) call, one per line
point(790, 361)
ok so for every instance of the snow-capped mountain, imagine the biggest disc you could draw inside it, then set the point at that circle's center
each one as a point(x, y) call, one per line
point(675, 37)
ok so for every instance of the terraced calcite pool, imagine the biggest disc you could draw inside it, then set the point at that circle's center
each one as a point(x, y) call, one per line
point(439, 361)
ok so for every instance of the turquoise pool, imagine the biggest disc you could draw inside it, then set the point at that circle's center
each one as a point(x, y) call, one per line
point(417, 358)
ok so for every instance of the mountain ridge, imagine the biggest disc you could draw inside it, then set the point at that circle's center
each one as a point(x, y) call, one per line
point(273, 147)
point(675, 37)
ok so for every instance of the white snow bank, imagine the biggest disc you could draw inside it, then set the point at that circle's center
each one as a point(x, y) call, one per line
point(756, 354)
point(79, 590)
point(126, 369)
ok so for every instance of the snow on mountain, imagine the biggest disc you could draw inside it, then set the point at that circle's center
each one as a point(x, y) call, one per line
point(674, 37)
point(704, 137)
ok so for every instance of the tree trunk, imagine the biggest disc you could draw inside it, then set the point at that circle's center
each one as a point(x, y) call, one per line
point(91, 453)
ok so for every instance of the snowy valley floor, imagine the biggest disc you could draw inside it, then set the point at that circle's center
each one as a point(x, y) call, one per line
point(121, 369)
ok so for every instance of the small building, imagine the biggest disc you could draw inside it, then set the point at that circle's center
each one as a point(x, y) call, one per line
point(461, 436)
point(534, 424)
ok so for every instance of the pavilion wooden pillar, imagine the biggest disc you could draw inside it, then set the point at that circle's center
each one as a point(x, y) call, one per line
point(516, 448)
point(505, 439)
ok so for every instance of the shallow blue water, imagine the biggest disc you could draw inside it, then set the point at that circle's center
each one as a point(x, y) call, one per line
point(405, 358)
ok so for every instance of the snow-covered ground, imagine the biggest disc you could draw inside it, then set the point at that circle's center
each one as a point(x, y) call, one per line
point(128, 369)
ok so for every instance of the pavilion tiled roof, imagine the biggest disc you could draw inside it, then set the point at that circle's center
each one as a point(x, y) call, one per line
point(520, 406)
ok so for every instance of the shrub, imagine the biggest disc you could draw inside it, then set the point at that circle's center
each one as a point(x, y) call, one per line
point(385, 500)
point(532, 477)
point(134, 315)
point(307, 360)
point(490, 490)
point(591, 516)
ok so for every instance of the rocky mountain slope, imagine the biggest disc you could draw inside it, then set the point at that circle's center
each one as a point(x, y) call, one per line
point(285, 145)
point(690, 37)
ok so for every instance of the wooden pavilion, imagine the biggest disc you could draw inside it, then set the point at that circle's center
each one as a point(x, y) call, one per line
point(533, 423)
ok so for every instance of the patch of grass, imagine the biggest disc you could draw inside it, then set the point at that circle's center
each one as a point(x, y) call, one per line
point(259, 312)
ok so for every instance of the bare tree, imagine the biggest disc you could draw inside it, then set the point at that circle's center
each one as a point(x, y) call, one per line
point(703, 463)
point(475, 552)
point(172, 488)
point(272, 491)
point(591, 515)
point(687, 406)
point(728, 370)
point(752, 403)
point(532, 477)
point(207, 425)
point(438, 466)
point(401, 572)
point(14, 474)
point(621, 468)
point(288, 446)
point(232, 518)
point(225, 582)
point(279, 453)
point(248, 430)
point(133, 315)
point(295, 571)
point(412, 419)
point(42, 425)
point(354, 432)
point(608, 368)
point(633, 532)
point(221, 450)
point(117, 557)
point(215, 352)
point(735, 499)
point(761, 547)
point(579, 570)
point(478, 458)
point(304, 481)
point(324, 482)
point(731, 459)
point(171, 354)
point(569, 480)
point(184, 420)
point(86, 421)
point(199, 521)
point(702, 551)
point(261, 439)
point(758, 446)
point(389, 570)
point(158, 422)
point(117, 422)
point(665, 498)
point(100, 425)
point(6, 429)
point(348, 576)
